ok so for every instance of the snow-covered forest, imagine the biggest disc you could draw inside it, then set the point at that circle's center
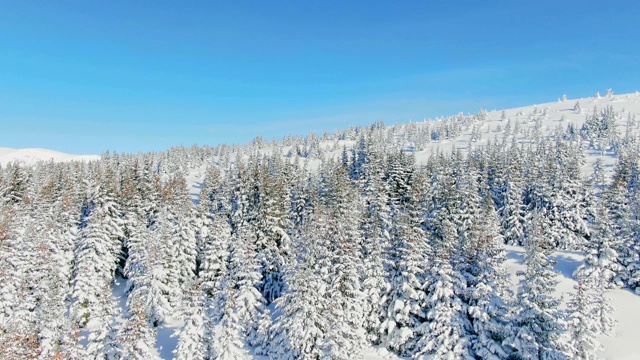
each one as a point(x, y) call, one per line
point(323, 246)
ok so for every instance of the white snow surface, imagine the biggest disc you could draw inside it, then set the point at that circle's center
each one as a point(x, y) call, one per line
point(33, 155)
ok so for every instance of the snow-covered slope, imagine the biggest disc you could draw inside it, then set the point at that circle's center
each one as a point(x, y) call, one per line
point(547, 118)
point(551, 116)
point(32, 156)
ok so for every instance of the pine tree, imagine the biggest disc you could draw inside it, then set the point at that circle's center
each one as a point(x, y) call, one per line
point(597, 272)
point(136, 339)
point(375, 229)
point(402, 298)
point(616, 202)
point(213, 268)
point(191, 343)
point(300, 324)
point(18, 335)
point(250, 305)
point(446, 334)
point(537, 321)
point(228, 341)
point(581, 327)
point(487, 284)
point(213, 200)
point(346, 302)
point(96, 256)
point(512, 213)
point(102, 341)
point(178, 218)
point(214, 255)
point(46, 279)
point(147, 274)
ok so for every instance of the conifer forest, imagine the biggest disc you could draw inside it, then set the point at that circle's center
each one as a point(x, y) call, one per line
point(320, 246)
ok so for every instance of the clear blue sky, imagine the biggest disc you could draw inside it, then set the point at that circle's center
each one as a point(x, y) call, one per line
point(85, 76)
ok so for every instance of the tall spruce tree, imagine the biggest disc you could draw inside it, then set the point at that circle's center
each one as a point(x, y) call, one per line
point(537, 320)
point(300, 324)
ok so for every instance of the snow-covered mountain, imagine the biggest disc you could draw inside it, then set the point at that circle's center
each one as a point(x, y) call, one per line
point(398, 194)
point(547, 118)
point(31, 156)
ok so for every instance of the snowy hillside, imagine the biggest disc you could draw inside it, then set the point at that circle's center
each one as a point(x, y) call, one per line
point(548, 119)
point(32, 156)
point(501, 234)
point(464, 131)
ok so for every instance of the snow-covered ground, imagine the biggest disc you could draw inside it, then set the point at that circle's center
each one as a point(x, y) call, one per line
point(32, 156)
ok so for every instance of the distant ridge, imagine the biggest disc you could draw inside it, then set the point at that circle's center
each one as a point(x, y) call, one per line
point(32, 156)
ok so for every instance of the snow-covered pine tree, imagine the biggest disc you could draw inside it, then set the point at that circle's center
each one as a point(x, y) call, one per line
point(102, 341)
point(598, 271)
point(615, 199)
point(228, 340)
point(582, 328)
point(512, 212)
point(345, 314)
point(448, 330)
point(147, 245)
point(268, 217)
point(300, 324)
point(213, 199)
point(69, 346)
point(191, 337)
point(537, 321)
point(178, 216)
point(213, 203)
point(488, 284)
point(49, 280)
point(96, 256)
point(136, 339)
point(553, 191)
point(375, 227)
point(147, 273)
point(35, 266)
point(407, 261)
point(18, 337)
point(249, 304)
point(213, 268)
point(445, 335)
point(622, 200)
point(17, 187)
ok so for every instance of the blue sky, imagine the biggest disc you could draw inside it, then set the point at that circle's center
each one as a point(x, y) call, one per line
point(86, 76)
